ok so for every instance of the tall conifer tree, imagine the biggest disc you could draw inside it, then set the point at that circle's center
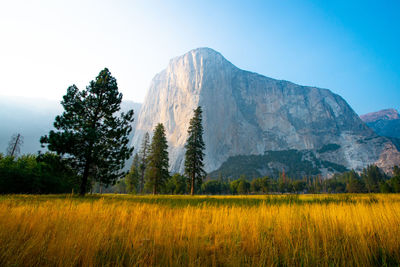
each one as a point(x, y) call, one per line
point(158, 162)
point(143, 154)
point(89, 132)
point(194, 151)
point(132, 178)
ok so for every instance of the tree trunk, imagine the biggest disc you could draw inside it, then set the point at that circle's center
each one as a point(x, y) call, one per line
point(141, 182)
point(15, 145)
point(84, 179)
point(154, 189)
point(192, 189)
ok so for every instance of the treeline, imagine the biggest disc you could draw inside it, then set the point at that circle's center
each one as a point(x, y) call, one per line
point(36, 174)
point(370, 180)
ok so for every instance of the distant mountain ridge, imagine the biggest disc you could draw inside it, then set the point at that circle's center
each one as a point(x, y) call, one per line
point(384, 114)
point(245, 113)
point(385, 123)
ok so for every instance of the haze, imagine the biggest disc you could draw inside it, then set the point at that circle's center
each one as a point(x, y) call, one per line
point(350, 48)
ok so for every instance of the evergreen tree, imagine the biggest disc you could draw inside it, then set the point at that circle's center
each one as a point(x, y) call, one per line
point(176, 184)
point(90, 134)
point(144, 152)
point(396, 171)
point(157, 168)
point(372, 176)
point(132, 178)
point(194, 151)
point(243, 187)
point(354, 184)
point(395, 180)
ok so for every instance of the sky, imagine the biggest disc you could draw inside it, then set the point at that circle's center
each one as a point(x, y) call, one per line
point(349, 47)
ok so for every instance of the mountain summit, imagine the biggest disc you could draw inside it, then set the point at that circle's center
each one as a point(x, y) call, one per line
point(245, 113)
point(385, 123)
point(385, 114)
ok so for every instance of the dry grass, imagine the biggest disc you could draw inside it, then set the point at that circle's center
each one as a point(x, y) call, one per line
point(346, 230)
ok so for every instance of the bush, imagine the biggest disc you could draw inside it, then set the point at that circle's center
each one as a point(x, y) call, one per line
point(214, 187)
point(31, 174)
point(176, 184)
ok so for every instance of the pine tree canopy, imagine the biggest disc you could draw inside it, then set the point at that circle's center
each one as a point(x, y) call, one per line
point(194, 166)
point(158, 162)
point(143, 157)
point(90, 133)
point(132, 178)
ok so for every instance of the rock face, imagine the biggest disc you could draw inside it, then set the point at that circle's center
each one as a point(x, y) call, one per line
point(245, 113)
point(385, 114)
point(384, 123)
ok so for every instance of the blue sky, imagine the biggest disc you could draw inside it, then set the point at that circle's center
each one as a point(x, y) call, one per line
point(349, 47)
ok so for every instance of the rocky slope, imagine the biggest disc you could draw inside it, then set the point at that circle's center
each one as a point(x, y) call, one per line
point(385, 114)
point(385, 122)
point(245, 113)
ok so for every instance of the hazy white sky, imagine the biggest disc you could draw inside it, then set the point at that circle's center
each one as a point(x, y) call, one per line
point(350, 47)
point(48, 45)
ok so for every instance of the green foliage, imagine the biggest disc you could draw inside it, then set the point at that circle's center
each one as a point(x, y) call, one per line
point(194, 166)
point(233, 185)
point(353, 183)
point(31, 174)
point(157, 169)
point(299, 186)
point(177, 184)
point(395, 184)
point(395, 180)
point(336, 184)
point(384, 187)
point(243, 187)
point(347, 182)
point(121, 187)
point(396, 171)
point(143, 159)
point(240, 186)
point(90, 134)
point(328, 148)
point(260, 185)
point(333, 167)
point(214, 187)
point(295, 163)
point(132, 178)
point(372, 177)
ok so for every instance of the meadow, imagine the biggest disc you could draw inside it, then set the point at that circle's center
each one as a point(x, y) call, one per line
point(265, 230)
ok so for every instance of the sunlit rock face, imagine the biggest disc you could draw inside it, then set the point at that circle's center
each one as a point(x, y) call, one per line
point(246, 113)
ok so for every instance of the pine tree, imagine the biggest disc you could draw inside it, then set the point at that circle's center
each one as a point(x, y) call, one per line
point(157, 169)
point(132, 178)
point(144, 152)
point(194, 151)
point(90, 134)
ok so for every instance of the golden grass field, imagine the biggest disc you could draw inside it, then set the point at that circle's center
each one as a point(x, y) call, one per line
point(123, 230)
